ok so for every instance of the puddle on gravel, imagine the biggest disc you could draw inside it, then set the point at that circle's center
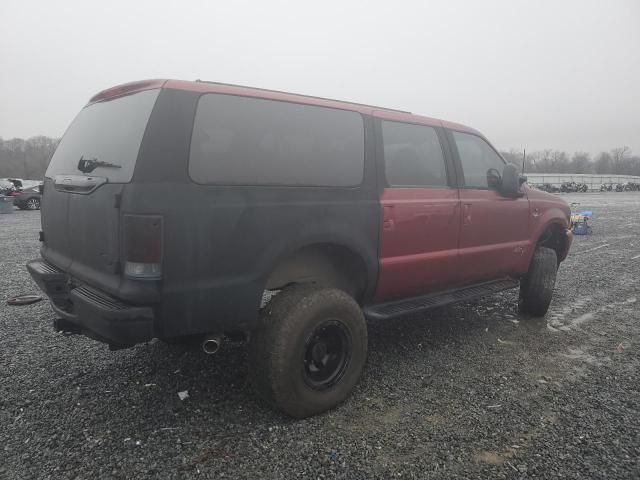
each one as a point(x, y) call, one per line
point(582, 356)
point(581, 319)
point(557, 320)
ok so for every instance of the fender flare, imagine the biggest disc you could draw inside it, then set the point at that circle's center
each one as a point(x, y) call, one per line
point(275, 254)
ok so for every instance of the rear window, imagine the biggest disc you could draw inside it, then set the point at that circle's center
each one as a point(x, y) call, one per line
point(251, 141)
point(108, 132)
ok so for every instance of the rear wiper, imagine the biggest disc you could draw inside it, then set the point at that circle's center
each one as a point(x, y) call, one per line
point(88, 165)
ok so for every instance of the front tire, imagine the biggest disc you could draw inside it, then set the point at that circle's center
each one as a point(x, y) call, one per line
point(536, 287)
point(309, 350)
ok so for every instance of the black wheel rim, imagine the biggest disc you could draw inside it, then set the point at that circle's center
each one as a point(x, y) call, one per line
point(326, 355)
point(33, 204)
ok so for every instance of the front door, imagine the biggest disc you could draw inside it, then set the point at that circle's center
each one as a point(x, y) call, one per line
point(494, 230)
point(420, 212)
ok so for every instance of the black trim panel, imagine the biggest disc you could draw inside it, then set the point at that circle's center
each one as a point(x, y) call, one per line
point(422, 303)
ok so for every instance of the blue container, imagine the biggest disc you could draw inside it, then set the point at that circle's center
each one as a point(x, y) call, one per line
point(581, 228)
point(6, 204)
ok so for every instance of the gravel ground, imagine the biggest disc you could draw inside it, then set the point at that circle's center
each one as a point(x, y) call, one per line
point(471, 391)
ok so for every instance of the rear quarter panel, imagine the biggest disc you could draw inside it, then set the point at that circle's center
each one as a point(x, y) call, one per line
point(221, 242)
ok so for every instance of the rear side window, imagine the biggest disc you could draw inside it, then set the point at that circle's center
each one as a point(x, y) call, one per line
point(477, 157)
point(251, 141)
point(108, 132)
point(412, 155)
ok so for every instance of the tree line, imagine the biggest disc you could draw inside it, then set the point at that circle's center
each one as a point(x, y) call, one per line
point(618, 161)
point(29, 158)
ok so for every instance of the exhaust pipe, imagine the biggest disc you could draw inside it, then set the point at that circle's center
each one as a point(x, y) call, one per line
point(211, 344)
point(66, 327)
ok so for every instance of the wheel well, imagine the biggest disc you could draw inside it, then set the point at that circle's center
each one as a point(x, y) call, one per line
point(553, 237)
point(326, 264)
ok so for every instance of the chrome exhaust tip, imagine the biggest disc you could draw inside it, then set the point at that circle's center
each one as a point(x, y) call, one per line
point(211, 344)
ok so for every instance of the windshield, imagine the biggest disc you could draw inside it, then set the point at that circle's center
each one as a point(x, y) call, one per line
point(109, 133)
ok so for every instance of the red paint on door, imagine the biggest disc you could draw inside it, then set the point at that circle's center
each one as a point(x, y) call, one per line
point(494, 235)
point(420, 232)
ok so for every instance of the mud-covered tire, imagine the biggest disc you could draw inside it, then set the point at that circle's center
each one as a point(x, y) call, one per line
point(286, 351)
point(536, 287)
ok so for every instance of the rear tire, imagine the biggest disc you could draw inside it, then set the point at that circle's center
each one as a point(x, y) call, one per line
point(309, 349)
point(536, 287)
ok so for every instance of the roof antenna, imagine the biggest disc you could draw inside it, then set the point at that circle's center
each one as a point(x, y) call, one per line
point(524, 156)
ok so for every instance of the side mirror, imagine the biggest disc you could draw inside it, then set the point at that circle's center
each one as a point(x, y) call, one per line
point(510, 186)
point(494, 179)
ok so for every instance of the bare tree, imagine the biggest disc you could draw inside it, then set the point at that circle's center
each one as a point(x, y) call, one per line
point(560, 162)
point(513, 156)
point(603, 163)
point(581, 163)
point(618, 156)
point(26, 158)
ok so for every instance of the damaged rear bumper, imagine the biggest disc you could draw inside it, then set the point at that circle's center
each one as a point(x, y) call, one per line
point(93, 313)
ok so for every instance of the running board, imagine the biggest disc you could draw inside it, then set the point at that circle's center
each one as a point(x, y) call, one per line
point(383, 311)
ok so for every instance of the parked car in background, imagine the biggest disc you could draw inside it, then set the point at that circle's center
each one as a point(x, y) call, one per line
point(5, 186)
point(30, 183)
point(28, 198)
point(16, 182)
point(20, 183)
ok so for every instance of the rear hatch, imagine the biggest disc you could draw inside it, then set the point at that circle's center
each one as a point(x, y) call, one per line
point(85, 180)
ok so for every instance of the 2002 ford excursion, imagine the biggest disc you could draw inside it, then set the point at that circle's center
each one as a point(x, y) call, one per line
point(176, 209)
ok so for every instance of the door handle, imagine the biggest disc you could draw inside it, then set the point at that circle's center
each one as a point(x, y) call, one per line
point(388, 220)
point(466, 214)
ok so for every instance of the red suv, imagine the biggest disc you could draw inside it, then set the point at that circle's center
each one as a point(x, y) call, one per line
point(183, 210)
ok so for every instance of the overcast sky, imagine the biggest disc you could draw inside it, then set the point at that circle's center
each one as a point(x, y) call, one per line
point(553, 74)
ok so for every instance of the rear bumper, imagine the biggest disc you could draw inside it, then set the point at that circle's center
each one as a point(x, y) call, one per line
point(94, 313)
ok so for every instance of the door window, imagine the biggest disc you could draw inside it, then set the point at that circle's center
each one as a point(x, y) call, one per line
point(413, 155)
point(476, 157)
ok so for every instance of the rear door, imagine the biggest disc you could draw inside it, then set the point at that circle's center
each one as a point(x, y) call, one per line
point(494, 230)
point(84, 182)
point(420, 211)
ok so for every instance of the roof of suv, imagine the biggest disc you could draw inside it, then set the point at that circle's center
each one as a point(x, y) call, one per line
point(230, 89)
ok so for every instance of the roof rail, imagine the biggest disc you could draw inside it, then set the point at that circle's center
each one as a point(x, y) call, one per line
point(302, 95)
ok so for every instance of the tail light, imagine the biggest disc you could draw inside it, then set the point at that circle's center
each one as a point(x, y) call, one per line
point(143, 247)
point(126, 88)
